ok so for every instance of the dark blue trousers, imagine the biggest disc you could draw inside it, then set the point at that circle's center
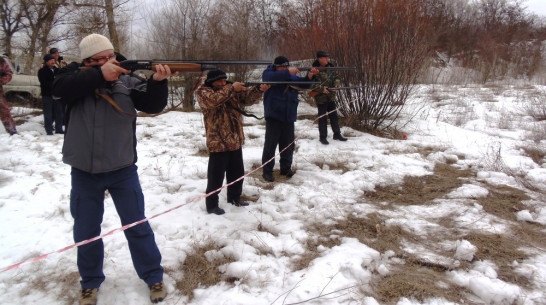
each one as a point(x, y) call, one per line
point(229, 164)
point(53, 112)
point(87, 209)
point(278, 133)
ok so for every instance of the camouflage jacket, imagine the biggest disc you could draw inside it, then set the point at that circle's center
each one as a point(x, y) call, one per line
point(327, 79)
point(223, 123)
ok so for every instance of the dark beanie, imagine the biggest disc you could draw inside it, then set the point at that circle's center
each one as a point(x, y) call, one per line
point(281, 61)
point(215, 75)
point(53, 50)
point(322, 54)
point(48, 57)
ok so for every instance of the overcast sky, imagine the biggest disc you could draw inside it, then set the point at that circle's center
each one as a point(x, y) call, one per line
point(537, 6)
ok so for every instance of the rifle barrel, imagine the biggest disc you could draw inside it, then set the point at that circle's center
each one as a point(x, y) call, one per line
point(328, 68)
point(342, 88)
point(185, 65)
point(280, 83)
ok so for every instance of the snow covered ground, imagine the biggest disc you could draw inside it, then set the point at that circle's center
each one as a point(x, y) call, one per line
point(485, 129)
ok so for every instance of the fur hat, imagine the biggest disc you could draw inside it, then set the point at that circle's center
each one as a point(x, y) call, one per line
point(322, 54)
point(48, 57)
point(214, 75)
point(93, 44)
point(281, 61)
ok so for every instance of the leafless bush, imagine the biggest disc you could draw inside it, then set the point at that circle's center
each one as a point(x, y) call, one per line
point(536, 107)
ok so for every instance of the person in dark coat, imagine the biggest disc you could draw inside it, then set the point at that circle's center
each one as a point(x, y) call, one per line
point(52, 109)
point(280, 112)
point(100, 146)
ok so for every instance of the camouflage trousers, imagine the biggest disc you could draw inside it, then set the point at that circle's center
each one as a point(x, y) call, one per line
point(5, 114)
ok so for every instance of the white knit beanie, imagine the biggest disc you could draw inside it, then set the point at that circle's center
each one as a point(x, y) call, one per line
point(93, 44)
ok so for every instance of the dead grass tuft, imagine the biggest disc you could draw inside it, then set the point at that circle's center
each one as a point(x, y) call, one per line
point(369, 231)
point(424, 189)
point(502, 250)
point(198, 271)
point(412, 280)
point(310, 117)
point(536, 154)
point(64, 285)
point(503, 202)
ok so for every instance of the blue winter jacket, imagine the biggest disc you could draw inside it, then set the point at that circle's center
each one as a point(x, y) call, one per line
point(281, 101)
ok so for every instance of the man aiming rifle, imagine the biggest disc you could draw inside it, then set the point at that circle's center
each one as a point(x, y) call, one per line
point(325, 97)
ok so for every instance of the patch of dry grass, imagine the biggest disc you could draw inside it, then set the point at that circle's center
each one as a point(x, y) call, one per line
point(503, 202)
point(198, 271)
point(65, 286)
point(502, 250)
point(412, 280)
point(423, 189)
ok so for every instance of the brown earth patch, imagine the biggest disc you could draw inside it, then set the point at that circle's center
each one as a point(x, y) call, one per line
point(65, 286)
point(197, 271)
point(503, 201)
point(502, 250)
point(422, 190)
point(412, 280)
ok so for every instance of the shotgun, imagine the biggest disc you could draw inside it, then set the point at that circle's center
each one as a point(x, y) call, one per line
point(327, 68)
point(272, 83)
point(315, 93)
point(185, 65)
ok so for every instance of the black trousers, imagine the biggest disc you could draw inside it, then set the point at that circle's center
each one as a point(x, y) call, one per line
point(322, 122)
point(230, 164)
point(52, 113)
point(281, 134)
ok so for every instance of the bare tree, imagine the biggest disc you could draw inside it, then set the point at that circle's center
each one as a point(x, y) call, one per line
point(11, 18)
point(40, 18)
point(96, 16)
point(385, 39)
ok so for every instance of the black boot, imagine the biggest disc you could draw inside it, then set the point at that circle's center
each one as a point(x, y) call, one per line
point(324, 141)
point(238, 202)
point(289, 173)
point(216, 210)
point(339, 137)
point(268, 177)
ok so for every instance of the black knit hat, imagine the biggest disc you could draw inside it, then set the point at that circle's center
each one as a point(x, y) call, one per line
point(214, 75)
point(53, 50)
point(48, 57)
point(322, 54)
point(281, 61)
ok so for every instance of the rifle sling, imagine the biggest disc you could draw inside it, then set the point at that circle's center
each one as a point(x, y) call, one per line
point(246, 113)
point(113, 103)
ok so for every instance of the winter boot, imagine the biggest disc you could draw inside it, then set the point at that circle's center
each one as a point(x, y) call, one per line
point(88, 296)
point(158, 292)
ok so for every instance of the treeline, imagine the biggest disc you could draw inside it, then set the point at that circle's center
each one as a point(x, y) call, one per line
point(496, 36)
point(30, 27)
point(390, 42)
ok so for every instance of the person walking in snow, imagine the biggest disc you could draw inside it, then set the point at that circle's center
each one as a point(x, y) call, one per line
point(100, 146)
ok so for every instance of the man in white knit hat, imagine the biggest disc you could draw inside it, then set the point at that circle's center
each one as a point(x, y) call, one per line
point(100, 146)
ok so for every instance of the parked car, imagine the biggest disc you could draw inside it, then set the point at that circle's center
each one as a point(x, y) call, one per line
point(23, 89)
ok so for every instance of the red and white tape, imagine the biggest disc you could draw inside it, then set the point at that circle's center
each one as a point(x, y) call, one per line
point(127, 226)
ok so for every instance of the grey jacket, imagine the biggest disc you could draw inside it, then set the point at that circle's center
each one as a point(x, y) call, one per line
point(99, 138)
